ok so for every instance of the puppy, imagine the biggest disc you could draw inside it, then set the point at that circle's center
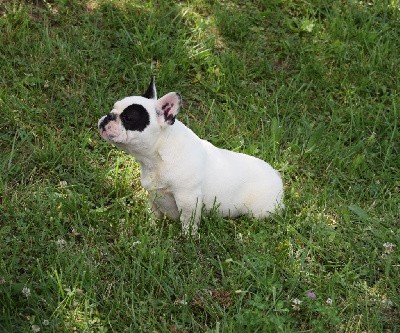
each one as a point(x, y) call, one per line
point(182, 172)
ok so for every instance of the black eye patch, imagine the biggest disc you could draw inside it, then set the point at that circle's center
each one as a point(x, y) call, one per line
point(135, 118)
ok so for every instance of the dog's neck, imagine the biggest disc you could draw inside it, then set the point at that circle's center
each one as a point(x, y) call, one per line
point(149, 157)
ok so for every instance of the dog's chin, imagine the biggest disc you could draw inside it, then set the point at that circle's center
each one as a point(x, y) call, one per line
point(112, 138)
point(103, 134)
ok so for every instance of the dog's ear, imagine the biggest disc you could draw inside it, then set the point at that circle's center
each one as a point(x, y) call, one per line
point(167, 107)
point(151, 92)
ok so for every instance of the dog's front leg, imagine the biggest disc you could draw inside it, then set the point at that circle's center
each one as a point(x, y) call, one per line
point(189, 205)
point(154, 209)
point(163, 204)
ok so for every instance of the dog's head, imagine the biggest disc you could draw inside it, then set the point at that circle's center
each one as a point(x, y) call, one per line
point(136, 122)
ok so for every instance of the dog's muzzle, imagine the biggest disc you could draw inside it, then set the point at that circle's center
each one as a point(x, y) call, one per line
point(103, 122)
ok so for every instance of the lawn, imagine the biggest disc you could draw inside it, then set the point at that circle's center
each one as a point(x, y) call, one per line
point(312, 87)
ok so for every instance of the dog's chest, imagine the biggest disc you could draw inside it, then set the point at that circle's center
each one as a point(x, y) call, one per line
point(151, 179)
point(160, 193)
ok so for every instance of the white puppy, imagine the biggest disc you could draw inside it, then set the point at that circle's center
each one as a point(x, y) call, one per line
point(182, 172)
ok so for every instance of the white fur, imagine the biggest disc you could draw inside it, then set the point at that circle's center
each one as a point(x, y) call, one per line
point(183, 172)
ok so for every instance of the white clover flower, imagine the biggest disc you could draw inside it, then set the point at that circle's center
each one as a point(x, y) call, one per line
point(26, 292)
point(63, 183)
point(296, 301)
point(296, 304)
point(136, 243)
point(389, 247)
point(35, 328)
point(46, 322)
point(329, 301)
point(61, 242)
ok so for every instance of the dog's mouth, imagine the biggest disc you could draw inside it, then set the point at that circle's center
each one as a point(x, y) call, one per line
point(106, 136)
point(102, 125)
point(103, 133)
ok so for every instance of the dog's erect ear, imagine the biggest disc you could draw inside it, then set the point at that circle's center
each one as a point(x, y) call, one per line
point(151, 92)
point(167, 107)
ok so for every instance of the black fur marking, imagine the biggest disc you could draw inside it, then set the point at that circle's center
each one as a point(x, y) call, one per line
point(169, 118)
point(135, 118)
point(107, 119)
point(150, 92)
point(165, 105)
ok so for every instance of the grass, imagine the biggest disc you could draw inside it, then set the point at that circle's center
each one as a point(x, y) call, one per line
point(310, 86)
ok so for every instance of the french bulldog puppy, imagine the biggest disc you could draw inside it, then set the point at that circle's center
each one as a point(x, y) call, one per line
point(182, 172)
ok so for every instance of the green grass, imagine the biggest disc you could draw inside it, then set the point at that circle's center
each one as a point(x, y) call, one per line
point(310, 86)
